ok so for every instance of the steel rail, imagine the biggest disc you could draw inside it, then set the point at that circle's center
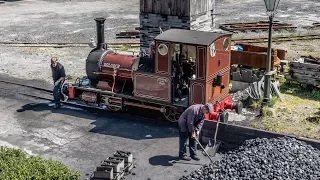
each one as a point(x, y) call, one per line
point(70, 103)
point(136, 44)
point(279, 39)
point(24, 85)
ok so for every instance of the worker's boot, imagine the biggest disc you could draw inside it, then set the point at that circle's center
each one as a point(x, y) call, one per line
point(195, 158)
point(57, 106)
point(185, 158)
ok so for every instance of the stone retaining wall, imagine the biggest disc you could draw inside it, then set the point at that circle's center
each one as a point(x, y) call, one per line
point(150, 24)
point(235, 135)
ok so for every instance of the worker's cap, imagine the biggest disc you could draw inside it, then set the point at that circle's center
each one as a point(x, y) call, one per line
point(209, 107)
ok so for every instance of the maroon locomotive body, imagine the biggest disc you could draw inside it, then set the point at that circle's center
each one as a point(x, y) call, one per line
point(185, 67)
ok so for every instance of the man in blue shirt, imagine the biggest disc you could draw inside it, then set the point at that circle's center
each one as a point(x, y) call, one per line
point(190, 124)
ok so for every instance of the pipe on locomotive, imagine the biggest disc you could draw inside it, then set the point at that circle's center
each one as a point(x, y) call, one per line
point(100, 32)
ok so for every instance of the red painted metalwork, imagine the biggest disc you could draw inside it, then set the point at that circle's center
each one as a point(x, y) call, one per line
point(89, 97)
point(71, 92)
point(213, 93)
point(162, 61)
point(152, 86)
point(119, 65)
point(108, 86)
point(256, 56)
point(220, 60)
point(219, 107)
point(201, 62)
point(197, 90)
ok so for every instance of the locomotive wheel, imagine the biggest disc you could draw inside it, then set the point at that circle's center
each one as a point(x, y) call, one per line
point(172, 114)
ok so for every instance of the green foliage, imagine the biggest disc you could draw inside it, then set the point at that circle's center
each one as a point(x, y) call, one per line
point(273, 101)
point(295, 89)
point(272, 125)
point(256, 104)
point(16, 165)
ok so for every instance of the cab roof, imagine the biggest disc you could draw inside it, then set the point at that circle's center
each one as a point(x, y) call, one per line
point(184, 36)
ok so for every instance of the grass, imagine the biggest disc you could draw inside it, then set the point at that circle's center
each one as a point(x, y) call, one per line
point(298, 114)
point(15, 164)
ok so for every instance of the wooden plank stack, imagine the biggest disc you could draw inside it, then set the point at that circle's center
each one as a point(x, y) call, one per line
point(305, 70)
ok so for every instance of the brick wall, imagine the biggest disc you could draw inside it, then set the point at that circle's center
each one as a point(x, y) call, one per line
point(150, 23)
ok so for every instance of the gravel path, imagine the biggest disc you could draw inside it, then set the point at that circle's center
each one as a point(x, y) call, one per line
point(70, 21)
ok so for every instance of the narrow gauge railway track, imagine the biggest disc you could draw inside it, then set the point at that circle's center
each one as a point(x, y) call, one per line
point(279, 38)
point(133, 114)
point(65, 44)
point(149, 117)
point(24, 85)
point(135, 44)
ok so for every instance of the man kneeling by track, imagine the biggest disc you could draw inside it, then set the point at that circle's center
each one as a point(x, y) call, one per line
point(190, 124)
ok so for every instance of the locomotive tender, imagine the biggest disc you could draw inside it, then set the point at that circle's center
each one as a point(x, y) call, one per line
point(185, 67)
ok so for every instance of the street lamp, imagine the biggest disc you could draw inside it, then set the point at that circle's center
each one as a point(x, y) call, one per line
point(271, 6)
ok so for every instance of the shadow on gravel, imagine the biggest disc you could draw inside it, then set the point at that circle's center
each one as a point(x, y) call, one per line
point(162, 160)
point(115, 124)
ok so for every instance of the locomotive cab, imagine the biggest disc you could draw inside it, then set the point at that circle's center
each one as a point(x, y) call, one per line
point(190, 67)
point(192, 63)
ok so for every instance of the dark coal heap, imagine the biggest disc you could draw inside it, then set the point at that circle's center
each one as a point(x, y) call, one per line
point(279, 158)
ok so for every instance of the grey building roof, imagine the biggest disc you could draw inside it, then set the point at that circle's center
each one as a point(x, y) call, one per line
point(190, 36)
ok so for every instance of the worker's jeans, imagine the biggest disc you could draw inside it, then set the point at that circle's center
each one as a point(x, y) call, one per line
point(183, 137)
point(57, 93)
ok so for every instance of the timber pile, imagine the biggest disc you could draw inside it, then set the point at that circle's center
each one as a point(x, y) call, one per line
point(255, 26)
point(129, 33)
point(305, 70)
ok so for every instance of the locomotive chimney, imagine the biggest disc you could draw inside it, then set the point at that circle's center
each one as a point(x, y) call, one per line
point(100, 32)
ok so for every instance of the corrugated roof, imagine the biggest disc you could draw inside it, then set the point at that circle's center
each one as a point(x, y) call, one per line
point(190, 36)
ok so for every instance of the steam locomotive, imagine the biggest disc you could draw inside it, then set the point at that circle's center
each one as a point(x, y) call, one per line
point(184, 67)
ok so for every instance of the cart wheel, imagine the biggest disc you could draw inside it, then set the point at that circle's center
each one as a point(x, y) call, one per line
point(239, 107)
point(172, 114)
point(224, 117)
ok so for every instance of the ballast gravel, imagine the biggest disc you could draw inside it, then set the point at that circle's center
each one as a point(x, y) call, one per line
point(281, 158)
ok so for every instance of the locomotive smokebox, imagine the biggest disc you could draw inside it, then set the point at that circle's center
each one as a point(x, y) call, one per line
point(100, 32)
point(95, 57)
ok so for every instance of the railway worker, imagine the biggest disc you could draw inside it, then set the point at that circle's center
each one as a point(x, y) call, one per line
point(190, 124)
point(58, 76)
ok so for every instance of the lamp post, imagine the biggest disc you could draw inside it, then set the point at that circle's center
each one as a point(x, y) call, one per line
point(271, 6)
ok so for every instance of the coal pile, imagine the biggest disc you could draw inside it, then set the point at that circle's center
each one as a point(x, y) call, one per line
point(279, 158)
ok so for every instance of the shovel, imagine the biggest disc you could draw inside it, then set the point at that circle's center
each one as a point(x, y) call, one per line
point(204, 150)
point(212, 147)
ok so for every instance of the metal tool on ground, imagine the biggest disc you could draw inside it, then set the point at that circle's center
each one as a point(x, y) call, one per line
point(204, 150)
point(212, 147)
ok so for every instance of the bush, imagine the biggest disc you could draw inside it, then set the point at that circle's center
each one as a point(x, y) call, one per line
point(15, 164)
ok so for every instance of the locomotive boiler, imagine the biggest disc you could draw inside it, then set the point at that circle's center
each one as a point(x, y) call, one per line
point(185, 67)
